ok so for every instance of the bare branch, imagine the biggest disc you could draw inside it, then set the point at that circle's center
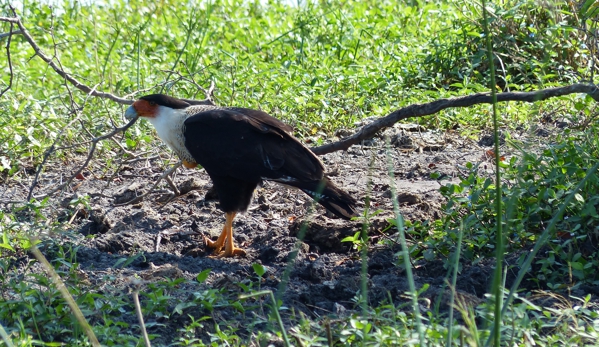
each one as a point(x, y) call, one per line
point(72, 80)
point(419, 110)
point(10, 33)
point(84, 88)
point(164, 174)
point(14, 20)
point(47, 154)
point(90, 154)
point(8, 60)
point(57, 68)
point(56, 65)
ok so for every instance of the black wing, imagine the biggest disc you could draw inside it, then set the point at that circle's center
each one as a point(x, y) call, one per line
point(249, 145)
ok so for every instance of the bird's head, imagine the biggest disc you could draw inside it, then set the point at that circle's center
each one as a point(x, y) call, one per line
point(149, 106)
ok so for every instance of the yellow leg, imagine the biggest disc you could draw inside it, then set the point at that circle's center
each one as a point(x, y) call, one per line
point(219, 243)
point(226, 239)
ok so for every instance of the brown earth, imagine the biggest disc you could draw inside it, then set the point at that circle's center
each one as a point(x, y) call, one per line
point(325, 275)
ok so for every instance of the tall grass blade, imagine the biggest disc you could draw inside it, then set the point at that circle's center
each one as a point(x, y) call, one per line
point(140, 318)
point(496, 287)
point(404, 247)
point(293, 254)
point(275, 310)
point(291, 259)
point(454, 281)
point(5, 337)
point(364, 239)
point(65, 294)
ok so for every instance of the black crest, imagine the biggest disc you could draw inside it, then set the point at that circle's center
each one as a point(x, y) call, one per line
point(165, 100)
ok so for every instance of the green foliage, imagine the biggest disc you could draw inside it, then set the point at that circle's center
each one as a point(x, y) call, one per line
point(202, 276)
point(533, 44)
point(534, 187)
point(360, 239)
point(259, 269)
point(320, 67)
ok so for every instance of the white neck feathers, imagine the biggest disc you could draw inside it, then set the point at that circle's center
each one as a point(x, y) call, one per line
point(169, 126)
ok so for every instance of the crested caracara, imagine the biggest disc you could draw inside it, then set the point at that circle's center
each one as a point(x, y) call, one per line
point(239, 148)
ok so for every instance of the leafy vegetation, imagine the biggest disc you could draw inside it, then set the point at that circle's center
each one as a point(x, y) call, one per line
point(317, 66)
point(320, 66)
point(534, 188)
point(534, 45)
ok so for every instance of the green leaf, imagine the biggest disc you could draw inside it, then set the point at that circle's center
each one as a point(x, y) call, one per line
point(238, 306)
point(202, 276)
point(259, 269)
point(7, 246)
point(576, 265)
point(589, 9)
point(183, 305)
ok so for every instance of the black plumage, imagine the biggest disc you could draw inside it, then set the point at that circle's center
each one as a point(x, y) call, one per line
point(239, 148)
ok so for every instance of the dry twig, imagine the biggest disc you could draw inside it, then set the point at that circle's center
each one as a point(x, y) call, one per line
point(76, 83)
point(164, 174)
point(368, 131)
point(90, 155)
point(55, 64)
point(10, 34)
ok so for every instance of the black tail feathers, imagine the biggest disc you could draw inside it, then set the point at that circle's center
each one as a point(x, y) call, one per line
point(328, 195)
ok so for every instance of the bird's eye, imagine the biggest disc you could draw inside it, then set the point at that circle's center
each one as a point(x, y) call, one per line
point(152, 103)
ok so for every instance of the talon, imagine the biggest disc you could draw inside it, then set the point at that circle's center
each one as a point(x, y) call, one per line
point(236, 251)
point(213, 244)
point(225, 240)
point(227, 252)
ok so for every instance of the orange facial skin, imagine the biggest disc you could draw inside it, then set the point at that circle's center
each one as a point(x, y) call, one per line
point(149, 109)
point(145, 108)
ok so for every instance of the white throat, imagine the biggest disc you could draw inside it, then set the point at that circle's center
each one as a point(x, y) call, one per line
point(169, 126)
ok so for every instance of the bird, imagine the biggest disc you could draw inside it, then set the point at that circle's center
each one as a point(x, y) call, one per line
point(239, 148)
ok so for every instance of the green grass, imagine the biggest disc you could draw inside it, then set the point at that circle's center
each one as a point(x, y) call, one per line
point(320, 67)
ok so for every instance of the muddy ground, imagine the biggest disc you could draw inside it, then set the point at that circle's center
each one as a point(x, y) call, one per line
point(325, 275)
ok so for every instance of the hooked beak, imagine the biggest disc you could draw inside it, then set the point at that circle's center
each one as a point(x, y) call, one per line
point(131, 113)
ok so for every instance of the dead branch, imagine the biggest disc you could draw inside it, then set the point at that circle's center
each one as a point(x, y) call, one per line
point(419, 110)
point(84, 88)
point(164, 174)
point(90, 155)
point(9, 19)
point(10, 33)
point(56, 65)
point(76, 83)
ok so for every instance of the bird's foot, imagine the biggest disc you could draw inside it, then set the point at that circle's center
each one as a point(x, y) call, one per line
point(224, 254)
point(219, 252)
point(231, 252)
point(217, 246)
